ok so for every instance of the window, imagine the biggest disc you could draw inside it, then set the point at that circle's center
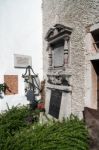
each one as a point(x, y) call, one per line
point(95, 35)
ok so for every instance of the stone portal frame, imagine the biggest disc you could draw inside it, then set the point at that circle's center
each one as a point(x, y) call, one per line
point(58, 38)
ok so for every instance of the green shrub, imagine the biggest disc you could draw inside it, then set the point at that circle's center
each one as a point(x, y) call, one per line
point(13, 121)
point(71, 134)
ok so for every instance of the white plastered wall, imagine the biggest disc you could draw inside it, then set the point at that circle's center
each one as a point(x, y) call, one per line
point(20, 33)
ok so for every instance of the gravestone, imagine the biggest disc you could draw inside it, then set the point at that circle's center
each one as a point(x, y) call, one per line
point(55, 102)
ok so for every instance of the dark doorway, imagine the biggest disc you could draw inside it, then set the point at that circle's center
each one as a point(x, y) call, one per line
point(96, 67)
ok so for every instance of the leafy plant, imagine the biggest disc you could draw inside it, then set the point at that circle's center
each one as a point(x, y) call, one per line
point(70, 134)
point(13, 121)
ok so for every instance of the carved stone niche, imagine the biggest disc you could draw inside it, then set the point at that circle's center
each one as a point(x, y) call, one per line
point(58, 38)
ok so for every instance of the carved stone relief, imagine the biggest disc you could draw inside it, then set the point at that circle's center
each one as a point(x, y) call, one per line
point(58, 45)
point(59, 80)
point(56, 31)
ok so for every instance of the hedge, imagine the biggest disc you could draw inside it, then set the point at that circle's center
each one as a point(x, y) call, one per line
point(70, 134)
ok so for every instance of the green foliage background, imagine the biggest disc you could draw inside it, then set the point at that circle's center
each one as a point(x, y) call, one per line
point(17, 134)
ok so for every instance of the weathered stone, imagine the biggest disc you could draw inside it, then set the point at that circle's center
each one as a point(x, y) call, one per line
point(80, 15)
point(91, 117)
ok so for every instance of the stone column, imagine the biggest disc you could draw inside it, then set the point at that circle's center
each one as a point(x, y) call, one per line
point(66, 52)
point(50, 56)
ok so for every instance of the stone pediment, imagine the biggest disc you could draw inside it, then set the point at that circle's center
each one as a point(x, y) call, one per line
point(56, 31)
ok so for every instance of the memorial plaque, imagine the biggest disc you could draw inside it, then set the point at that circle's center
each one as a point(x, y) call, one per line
point(22, 61)
point(11, 82)
point(55, 102)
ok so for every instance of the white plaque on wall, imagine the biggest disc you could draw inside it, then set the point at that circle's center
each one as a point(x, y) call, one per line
point(22, 61)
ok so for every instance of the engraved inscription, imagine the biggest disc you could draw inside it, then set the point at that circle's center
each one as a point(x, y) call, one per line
point(55, 102)
point(22, 61)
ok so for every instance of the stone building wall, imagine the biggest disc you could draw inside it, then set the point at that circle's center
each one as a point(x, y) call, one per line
point(79, 15)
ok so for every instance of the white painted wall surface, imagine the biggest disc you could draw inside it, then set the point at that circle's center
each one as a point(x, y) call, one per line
point(20, 33)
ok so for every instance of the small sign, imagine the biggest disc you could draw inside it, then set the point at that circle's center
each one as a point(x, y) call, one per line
point(22, 61)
